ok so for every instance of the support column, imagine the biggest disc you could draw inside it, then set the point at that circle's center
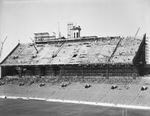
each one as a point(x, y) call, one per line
point(0, 72)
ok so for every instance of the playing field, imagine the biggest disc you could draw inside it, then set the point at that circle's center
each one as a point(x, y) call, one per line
point(12, 107)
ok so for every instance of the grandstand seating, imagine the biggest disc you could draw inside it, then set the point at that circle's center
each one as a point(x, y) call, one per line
point(126, 50)
point(125, 93)
point(45, 54)
point(94, 57)
point(68, 56)
point(93, 51)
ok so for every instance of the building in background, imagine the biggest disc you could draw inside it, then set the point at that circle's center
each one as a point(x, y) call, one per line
point(69, 30)
point(73, 31)
point(43, 37)
point(76, 31)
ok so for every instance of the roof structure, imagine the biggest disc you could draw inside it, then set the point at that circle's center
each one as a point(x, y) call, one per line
point(82, 51)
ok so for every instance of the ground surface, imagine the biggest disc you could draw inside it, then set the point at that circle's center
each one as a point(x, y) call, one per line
point(9, 107)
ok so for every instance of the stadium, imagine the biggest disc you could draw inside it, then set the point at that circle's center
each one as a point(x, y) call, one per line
point(109, 71)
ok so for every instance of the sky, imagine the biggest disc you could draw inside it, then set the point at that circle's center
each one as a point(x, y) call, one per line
point(20, 19)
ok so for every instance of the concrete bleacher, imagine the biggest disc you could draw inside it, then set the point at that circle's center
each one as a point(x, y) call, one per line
point(65, 54)
point(96, 51)
point(125, 93)
point(104, 94)
point(93, 51)
point(94, 57)
point(131, 41)
point(45, 54)
point(14, 55)
point(142, 99)
point(126, 50)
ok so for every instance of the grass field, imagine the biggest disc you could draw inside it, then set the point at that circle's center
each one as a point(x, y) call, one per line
point(18, 107)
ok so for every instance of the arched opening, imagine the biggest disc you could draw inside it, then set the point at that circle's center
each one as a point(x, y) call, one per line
point(77, 34)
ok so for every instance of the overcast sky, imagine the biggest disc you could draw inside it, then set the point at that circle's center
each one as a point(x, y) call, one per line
point(19, 19)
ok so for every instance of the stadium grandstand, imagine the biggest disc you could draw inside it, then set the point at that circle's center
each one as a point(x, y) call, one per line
point(110, 70)
point(80, 57)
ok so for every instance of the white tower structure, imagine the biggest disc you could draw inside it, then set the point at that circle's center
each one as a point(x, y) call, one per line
point(76, 31)
point(69, 30)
